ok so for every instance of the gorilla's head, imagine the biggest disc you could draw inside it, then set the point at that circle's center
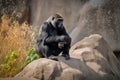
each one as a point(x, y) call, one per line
point(57, 21)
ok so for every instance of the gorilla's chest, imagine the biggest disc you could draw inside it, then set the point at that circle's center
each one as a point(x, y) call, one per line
point(53, 32)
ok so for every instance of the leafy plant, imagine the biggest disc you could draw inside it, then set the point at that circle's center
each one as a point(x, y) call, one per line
point(30, 57)
point(8, 68)
point(15, 40)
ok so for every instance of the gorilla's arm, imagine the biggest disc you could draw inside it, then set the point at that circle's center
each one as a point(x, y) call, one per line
point(46, 37)
point(63, 32)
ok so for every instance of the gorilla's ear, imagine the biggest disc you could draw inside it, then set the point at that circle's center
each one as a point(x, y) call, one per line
point(53, 18)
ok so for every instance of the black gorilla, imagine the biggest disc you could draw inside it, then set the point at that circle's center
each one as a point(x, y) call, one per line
point(53, 38)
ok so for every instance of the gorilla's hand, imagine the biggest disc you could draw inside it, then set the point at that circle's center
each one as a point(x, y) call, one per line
point(64, 38)
point(61, 44)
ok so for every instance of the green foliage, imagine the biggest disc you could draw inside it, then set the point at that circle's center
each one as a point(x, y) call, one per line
point(8, 68)
point(30, 57)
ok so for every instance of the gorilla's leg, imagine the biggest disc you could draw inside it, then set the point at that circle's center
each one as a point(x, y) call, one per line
point(48, 53)
point(39, 50)
point(66, 51)
point(43, 51)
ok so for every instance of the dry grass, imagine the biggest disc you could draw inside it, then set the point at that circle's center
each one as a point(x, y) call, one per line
point(15, 37)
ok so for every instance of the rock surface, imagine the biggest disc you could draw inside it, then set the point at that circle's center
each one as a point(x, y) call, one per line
point(18, 78)
point(91, 59)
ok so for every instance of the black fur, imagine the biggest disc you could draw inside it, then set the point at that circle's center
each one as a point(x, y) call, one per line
point(48, 40)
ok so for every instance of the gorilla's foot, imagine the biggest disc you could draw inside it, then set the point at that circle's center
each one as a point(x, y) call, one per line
point(67, 57)
point(53, 58)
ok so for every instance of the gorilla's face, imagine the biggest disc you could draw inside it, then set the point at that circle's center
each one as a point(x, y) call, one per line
point(57, 23)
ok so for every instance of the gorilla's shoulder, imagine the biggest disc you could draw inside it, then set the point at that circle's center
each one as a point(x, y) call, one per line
point(45, 25)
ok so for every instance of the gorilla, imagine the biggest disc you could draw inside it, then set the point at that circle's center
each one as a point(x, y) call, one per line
point(53, 39)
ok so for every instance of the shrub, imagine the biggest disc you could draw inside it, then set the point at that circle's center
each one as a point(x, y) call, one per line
point(15, 41)
point(30, 57)
point(10, 67)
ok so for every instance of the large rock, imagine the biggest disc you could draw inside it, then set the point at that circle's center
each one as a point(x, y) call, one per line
point(98, 56)
point(101, 17)
point(18, 78)
point(91, 59)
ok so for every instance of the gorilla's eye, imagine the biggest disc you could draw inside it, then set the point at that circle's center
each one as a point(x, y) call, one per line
point(59, 24)
point(60, 20)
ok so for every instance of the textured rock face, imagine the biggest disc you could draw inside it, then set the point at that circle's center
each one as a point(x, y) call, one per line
point(101, 17)
point(91, 59)
point(97, 55)
point(45, 69)
point(18, 78)
point(83, 17)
